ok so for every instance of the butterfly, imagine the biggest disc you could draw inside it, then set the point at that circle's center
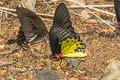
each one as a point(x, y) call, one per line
point(117, 11)
point(32, 29)
point(64, 42)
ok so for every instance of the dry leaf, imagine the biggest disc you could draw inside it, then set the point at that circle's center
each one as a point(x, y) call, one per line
point(80, 2)
point(108, 30)
point(1, 3)
point(112, 72)
point(20, 77)
point(88, 52)
point(5, 52)
point(110, 60)
point(3, 72)
point(2, 78)
point(5, 61)
point(54, 0)
point(85, 15)
point(67, 73)
point(30, 4)
point(19, 54)
point(2, 46)
point(91, 21)
point(73, 78)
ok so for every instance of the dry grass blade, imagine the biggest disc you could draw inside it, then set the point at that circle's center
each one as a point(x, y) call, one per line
point(100, 6)
point(46, 15)
point(49, 6)
point(99, 10)
point(0, 25)
point(7, 9)
point(96, 9)
point(101, 19)
point(8, 12)
point(88, 9)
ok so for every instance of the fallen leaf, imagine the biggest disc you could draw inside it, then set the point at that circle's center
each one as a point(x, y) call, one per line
point(36, 46)
point(67, 73)
point(5, 52)
point(110, 60)
point(54, 0)
point(88, 52)
point(2, 78)
point(1, 3)
point(20, 77)
point(86, 78)
point(73, 78)
point(80, 2)
point(85, 15)
point(112, 71)
point(91, 21)
point(19, 54)
point(3, 72)
point(108, 30)
point(2, 46)
point(5, 61)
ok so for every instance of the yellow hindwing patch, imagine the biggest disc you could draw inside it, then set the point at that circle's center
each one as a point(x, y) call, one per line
point(72, 47)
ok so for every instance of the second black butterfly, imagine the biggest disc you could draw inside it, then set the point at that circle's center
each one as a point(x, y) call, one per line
point(32, 29)
point(117, 11)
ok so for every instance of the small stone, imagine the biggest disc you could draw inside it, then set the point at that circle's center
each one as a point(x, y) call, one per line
point(112, 72)
point(2, 46)
point(75, 62)
point(73, 78)
point(46, 75)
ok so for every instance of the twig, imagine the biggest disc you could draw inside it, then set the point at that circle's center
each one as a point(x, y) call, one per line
point(83, 6)
point(101, 19)
point(8, 12)
point(47, 20)
point(46, 15)
point(49, 6)
point(75, 14)
point(106, 12)
point(41, 8)
point(88, 9)
point(7, 9)
point(0, 24)
point(96, 9)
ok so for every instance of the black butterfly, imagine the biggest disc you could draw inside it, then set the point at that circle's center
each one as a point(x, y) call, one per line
point(32, 29)
point(62, 34)
point(117, 11)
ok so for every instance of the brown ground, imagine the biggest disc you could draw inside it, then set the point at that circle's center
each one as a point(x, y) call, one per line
point(24, 64)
